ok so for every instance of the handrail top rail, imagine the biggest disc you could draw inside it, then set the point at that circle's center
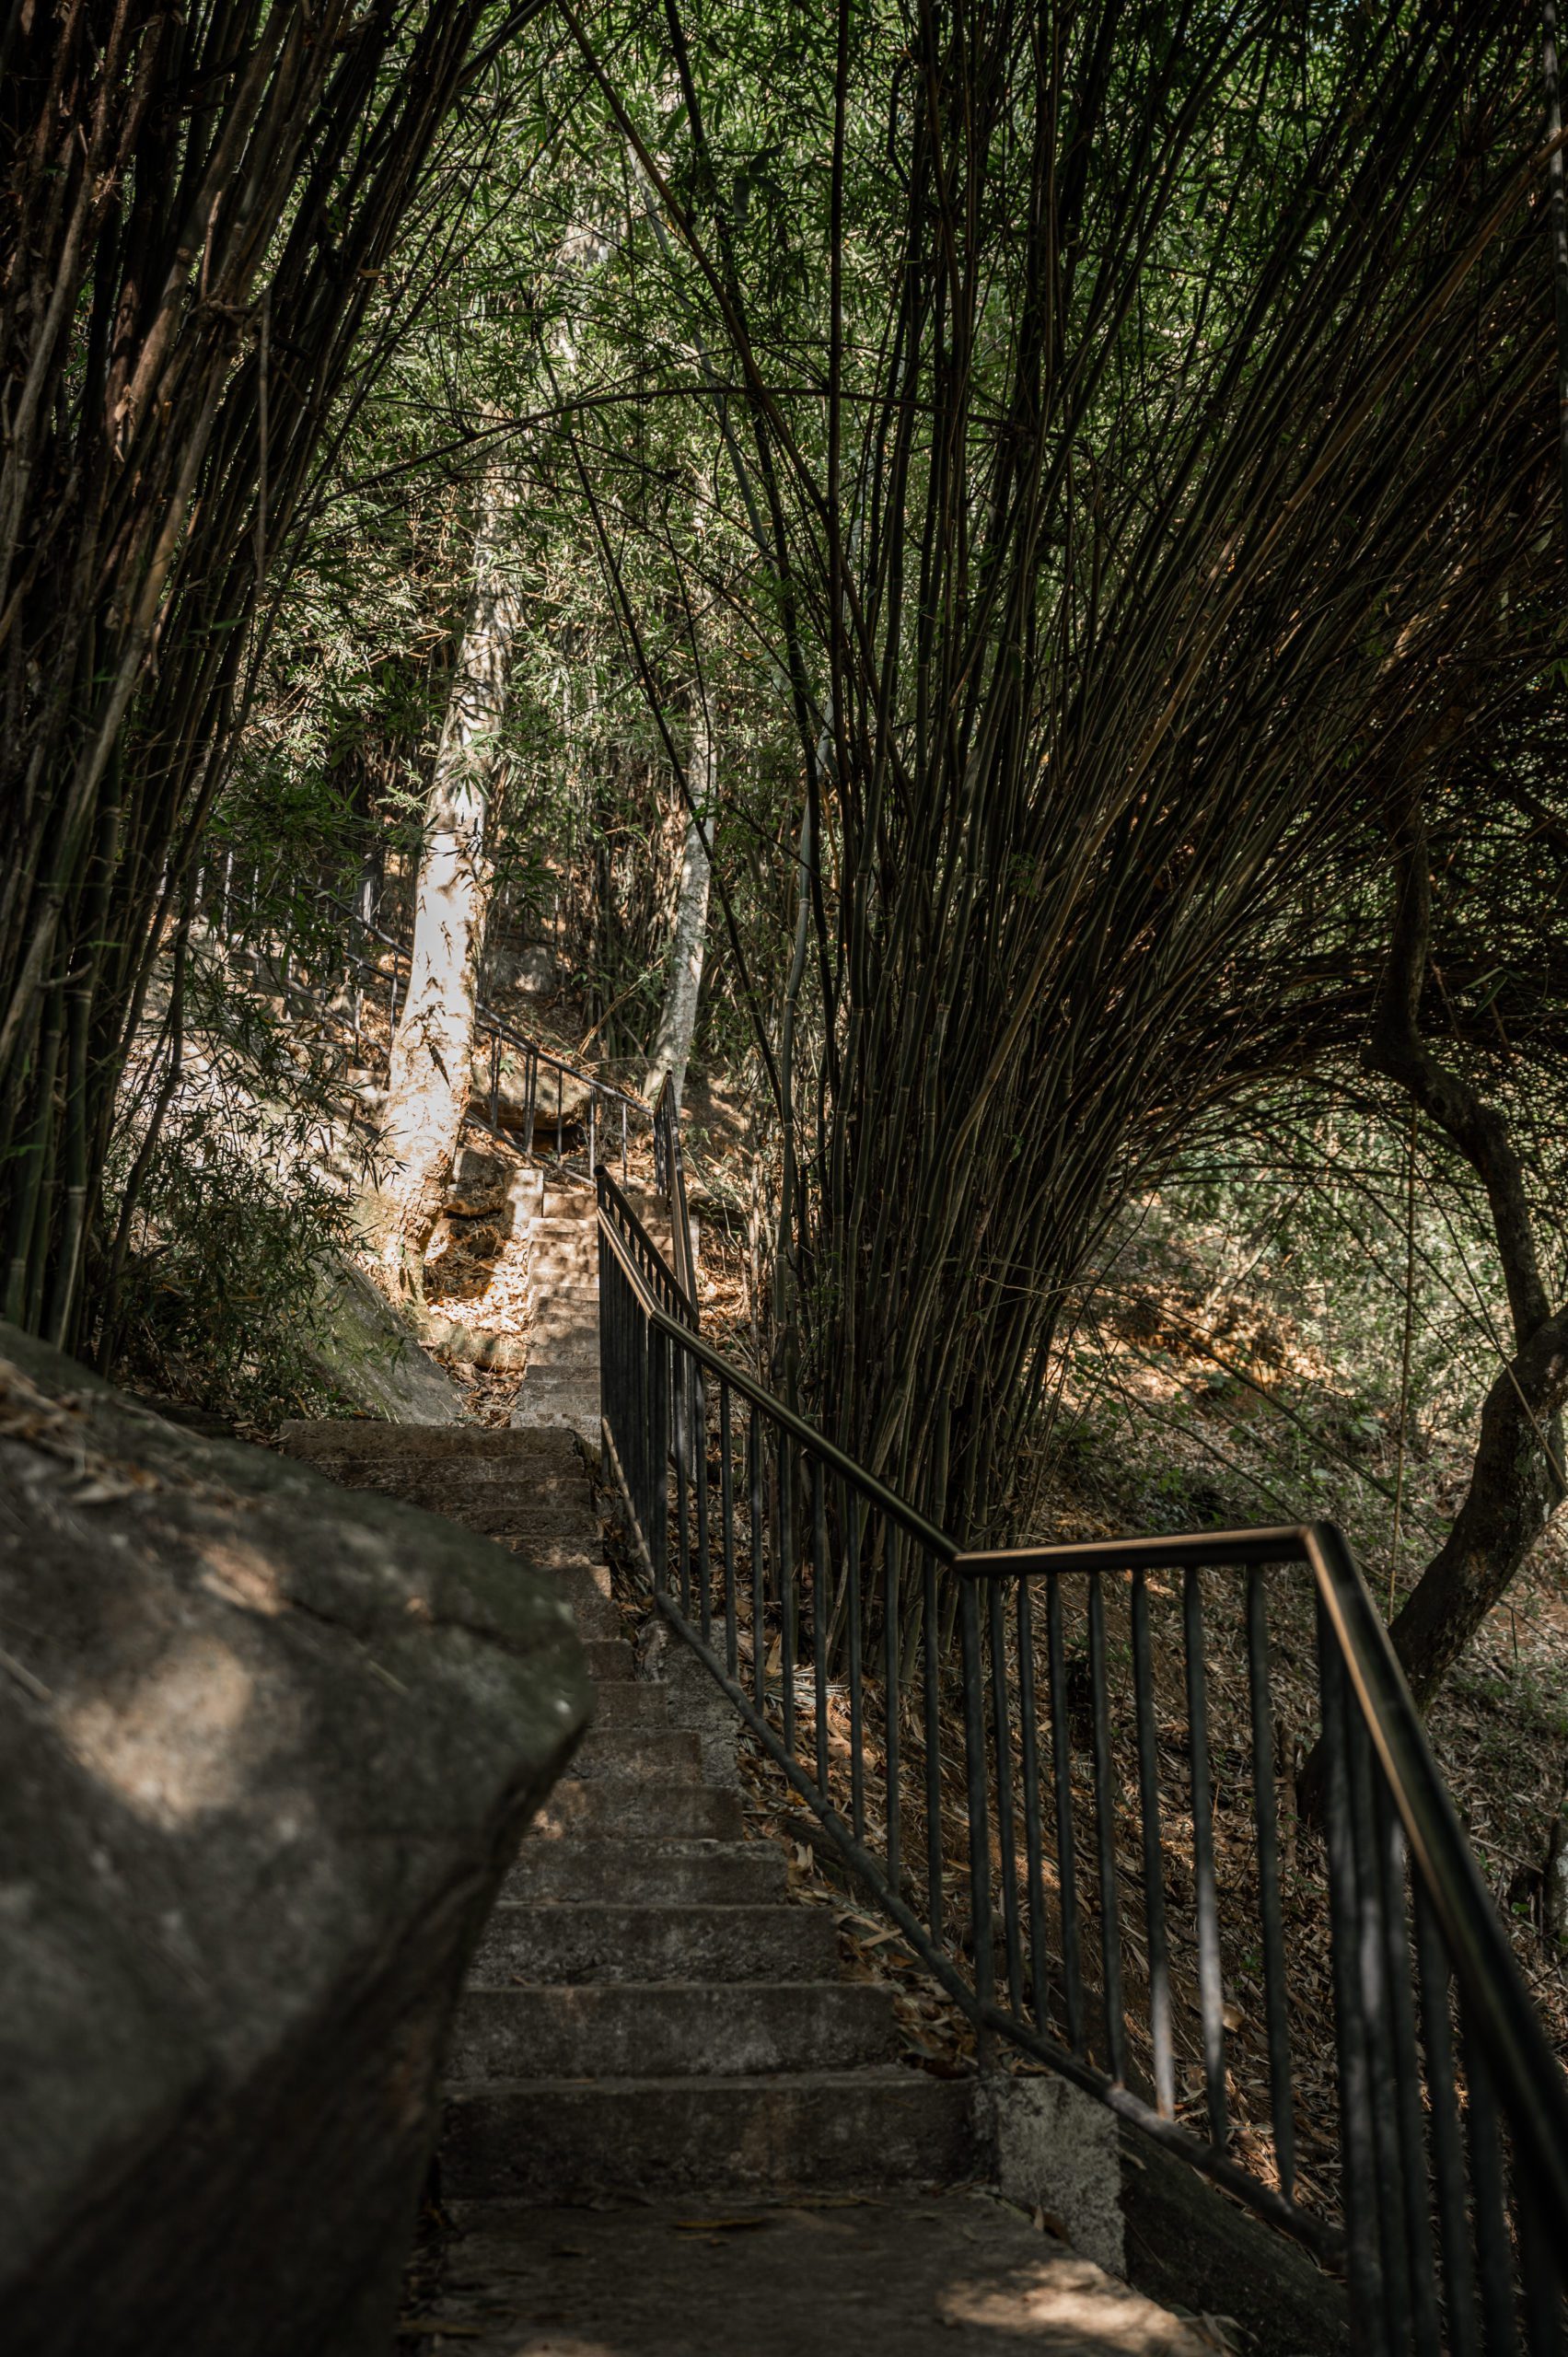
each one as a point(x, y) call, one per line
point(1483, 1960)
point(625, 1211)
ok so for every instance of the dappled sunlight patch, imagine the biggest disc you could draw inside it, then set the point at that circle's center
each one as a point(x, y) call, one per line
point(178, 1741)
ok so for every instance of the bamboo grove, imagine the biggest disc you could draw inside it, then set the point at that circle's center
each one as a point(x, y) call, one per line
point(1093, 468)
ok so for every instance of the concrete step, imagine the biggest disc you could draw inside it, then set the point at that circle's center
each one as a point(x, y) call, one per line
point(500, 1520)
point(915, 2271)
point(671, 2029)
point(660, 1755)
point(607, 1657)
point(593, 1616)
point(633, 1872)
point(564, 1382)
point(826, 2131)
point(612, 1941)
point(499, 1509)
point(591, 1808)
point(474, 1445)
point(630, 1703)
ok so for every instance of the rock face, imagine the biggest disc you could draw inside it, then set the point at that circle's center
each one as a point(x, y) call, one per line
point(267, 1748)
point(370, 1355)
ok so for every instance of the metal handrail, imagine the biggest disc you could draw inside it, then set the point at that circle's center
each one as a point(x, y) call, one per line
point(1453, 2115)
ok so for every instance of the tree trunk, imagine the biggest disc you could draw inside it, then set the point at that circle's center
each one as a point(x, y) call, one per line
point(671, 1050)
point(427, 1089)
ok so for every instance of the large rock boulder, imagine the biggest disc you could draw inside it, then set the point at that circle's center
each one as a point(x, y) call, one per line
point(370, 1354)
point(266, 1747)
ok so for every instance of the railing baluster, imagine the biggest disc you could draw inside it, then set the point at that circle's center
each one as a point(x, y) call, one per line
point(1034, 1846)
point(1406, 2072)
point(681, 1454)
point(1266, 1812)
point(819, 1624)
point(857, 1727)
point(892, 1666)
point(1210, 1987)
point(1066, 1859)
point(1001, 1720)
point(726, 1515)
point(1499, 2334)
point(699, 1444)
point(1358, 2194)
point(758, 1613)
point(1154, 1857)
point(1105, 1826)
point(786, 1585)
point(1447, 2145)
point(1542, 2287)
point(975, 1781)
point(1372, 1956)
point(932, 1666)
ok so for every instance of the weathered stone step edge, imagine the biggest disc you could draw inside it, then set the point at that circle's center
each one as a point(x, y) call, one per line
point(674, 1755)
point(832, 2131)
point(668, 2028)
point(660, 1812)
point(301, 1435)
point(613, 1940)
point(681, 1872)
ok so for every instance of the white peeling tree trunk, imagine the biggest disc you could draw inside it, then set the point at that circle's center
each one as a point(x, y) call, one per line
point(428, 1084)
point(671, 1050)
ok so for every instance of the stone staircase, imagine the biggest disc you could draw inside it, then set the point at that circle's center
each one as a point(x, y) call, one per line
point(648, 2020)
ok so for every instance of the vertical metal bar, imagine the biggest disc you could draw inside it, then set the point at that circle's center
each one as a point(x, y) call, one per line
point(786, 1587)
point(819, 1621)
point(1447, 2145)
point(496, 1080)
point(1266, 1811)
point(1066, 1855)
point(975, 1767)
point(758, 1610)
point(623, 1142)
point(531, 1093)
point(1002, 1726)
point(1210, 1990)
point(560, 1141)
point(1358, 2194)
point(1034, 1846)
point(1105, 1824)
point(726, 1515)
point(658, 1451)
point(1405, 2071)
point(1153, 1849)
point(856, 1726)
point(930, 1631)
point(1538, 2269)
point(1374, 1962)
point(1496, 2271)
point(892, 1662)
point(698, 1418)
point(680, 1404)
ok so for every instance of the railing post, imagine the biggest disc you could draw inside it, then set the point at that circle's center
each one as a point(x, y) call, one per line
point(979, 1836)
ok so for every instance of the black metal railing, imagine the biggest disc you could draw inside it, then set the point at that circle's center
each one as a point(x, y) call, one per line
point(1066, 1775)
